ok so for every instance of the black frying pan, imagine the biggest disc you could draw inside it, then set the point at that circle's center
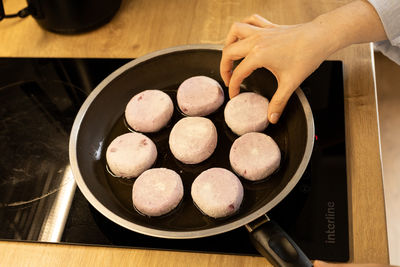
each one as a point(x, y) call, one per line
point(101, 119)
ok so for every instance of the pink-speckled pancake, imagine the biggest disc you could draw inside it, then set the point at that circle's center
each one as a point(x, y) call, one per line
point(199, 96)
point(217, 192)
point(247, 112)
point(193, 139)
point(157, 191)
point(254, 156)
point(149, 111)
point(130, 154)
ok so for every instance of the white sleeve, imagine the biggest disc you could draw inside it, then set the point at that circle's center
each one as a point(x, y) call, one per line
point(389, 13)
point(392, 52)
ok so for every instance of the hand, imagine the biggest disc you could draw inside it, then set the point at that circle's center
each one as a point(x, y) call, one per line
point(325, 264)
point(291, 53)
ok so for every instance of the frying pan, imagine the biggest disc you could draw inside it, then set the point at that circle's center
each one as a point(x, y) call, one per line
point(101, 119)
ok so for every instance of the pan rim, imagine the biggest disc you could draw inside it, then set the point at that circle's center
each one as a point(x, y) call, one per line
point(192, 233)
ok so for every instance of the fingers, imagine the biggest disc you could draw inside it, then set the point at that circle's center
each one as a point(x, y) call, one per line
point(231, 53)
point(225, 70)
point(235, 48)
point(318, 263)
point(239, 31)
point(279, 101)
point(237, 45)
point(258, 21)
point(241, 72)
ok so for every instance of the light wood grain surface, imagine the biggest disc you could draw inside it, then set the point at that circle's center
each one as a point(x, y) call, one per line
point(388, 87)
point(28, 254)
point(143, 26)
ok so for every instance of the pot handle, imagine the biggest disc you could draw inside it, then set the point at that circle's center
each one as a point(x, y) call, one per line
point(276, 245)
point(22, 13)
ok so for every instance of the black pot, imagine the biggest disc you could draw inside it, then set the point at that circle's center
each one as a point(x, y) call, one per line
point(68, 16)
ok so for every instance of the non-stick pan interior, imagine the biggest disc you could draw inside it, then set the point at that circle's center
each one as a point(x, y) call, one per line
point(103, 119)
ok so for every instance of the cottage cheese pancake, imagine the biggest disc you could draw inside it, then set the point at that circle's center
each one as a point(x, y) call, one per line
point(130, 154)
point(157, 191)
point(247, 112)
point(193, 139)
point(199, 96)
point(217, 192)
point(254, 156)
point(149, 111)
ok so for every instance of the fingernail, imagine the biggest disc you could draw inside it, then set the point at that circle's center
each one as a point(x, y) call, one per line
point(274, 117)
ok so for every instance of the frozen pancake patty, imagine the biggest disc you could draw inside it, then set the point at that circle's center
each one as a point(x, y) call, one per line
point(193, 139)
point(254, 156)
point(199, 96)
point(149, 111)
point(130, 154)
point(157, 191)
point(247, 112)
point(217, 192)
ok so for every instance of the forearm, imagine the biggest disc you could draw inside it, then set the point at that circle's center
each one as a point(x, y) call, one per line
point(356, 22)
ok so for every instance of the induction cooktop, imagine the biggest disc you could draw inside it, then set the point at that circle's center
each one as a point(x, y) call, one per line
point(39, 201)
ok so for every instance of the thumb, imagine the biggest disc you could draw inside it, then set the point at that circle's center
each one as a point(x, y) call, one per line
point(278, 102)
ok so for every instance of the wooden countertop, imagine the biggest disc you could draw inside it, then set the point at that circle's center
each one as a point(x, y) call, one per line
point(143, 26)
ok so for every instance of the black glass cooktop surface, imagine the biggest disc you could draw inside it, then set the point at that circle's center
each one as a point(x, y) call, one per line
point(39, 99)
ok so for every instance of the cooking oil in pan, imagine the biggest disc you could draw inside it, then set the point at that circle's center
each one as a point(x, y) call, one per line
point(187, 216)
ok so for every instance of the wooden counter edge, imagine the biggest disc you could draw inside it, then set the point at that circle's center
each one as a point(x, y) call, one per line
point(14, 253)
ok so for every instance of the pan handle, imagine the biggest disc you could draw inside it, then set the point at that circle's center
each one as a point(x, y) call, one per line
point(22, 13)
point(276, 245)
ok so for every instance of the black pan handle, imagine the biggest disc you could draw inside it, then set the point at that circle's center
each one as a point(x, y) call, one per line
point(22, 13)
point(275, 244)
